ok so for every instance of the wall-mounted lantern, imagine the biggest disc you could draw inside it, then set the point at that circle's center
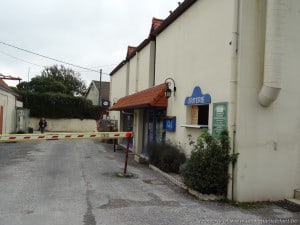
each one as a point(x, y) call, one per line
point(168, 91)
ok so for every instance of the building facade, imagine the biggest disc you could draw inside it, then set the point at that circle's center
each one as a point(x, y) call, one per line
point(8, 109)
point(234, 65)
point(98, 93)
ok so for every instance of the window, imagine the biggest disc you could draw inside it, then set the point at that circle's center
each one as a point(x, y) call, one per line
point(197, 110)
point(203, 114)
point(197, 116)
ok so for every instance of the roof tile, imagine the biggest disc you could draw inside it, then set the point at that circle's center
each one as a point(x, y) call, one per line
point(151, 97)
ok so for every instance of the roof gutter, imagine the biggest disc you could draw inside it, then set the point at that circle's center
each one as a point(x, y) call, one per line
point(270, 90)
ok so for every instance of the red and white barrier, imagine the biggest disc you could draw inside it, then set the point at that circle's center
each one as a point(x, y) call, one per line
point(63, 136)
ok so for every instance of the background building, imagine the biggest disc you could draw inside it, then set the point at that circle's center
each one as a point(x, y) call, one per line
point(9, 103)
point(98, 93)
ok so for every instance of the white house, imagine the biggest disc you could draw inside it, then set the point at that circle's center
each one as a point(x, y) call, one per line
point(235, 65)
point(8, 109)
point(98, 93)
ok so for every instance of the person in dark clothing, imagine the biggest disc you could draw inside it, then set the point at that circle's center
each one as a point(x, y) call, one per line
point(42, 125)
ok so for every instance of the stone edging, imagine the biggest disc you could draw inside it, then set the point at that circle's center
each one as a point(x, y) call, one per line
point(177, 182)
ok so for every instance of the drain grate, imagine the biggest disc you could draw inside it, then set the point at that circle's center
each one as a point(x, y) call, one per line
point(293, 207)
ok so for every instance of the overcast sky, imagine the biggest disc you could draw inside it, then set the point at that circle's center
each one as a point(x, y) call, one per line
point(88, 33)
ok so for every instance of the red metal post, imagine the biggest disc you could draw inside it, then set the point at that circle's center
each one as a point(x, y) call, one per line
point(128, 136)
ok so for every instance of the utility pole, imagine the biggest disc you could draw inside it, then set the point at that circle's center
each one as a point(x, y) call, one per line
point(100, 88)
point(26, 100)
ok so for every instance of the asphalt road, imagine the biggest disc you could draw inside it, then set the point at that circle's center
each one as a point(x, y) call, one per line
point(75, 182)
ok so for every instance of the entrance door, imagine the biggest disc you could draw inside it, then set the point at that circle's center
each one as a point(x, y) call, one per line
point(127, 125)
point(153, 132)
point(1, 118)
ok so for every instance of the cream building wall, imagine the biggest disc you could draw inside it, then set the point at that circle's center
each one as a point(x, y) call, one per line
point(119, 89)
point(145, 67)
point(138, 74)
point(141, 76)
point(268, 138)
point(65, 125)
point(9, 103)
point(194, 50)
point(141, 69)
point(93, 95)
point(133, 75)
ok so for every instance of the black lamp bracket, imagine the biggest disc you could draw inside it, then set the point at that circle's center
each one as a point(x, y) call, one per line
point(169, 82)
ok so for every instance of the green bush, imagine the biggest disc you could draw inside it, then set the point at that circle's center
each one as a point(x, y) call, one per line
point(166, 157)
point(58, 105)
point(207, 168)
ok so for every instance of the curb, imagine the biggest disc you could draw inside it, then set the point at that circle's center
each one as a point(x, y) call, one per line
point(200, 196)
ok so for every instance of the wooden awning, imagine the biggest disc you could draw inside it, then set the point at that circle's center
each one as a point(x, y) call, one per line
point(150, 98)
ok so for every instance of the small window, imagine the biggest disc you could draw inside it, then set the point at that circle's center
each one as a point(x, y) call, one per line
point(197, 110)
point(203, 114)
point(197, 116)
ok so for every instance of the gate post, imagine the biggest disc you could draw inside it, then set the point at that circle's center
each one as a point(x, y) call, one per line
point(128, 136)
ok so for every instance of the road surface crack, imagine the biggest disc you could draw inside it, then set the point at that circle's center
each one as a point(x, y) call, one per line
point(89, 217)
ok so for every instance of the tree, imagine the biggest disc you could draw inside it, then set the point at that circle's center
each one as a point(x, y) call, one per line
point(70, 79)
point(42, 84)
point(55, 79)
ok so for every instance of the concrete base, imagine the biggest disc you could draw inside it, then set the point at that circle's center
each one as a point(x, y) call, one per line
point(141, 159)
point(293, 200)
point(180, 184)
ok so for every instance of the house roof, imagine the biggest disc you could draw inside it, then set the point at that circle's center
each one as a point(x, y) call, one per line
point(6, 88)
point(105, 88)
point(130, 50)
point(151, 97)
point(3, 84)
point(155, 24)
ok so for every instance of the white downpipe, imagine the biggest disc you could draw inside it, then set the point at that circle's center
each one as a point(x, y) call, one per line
point(233, 92)
point(273, 52)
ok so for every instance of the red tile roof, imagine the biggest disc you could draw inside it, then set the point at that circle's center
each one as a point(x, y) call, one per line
point(152, 97)
point(130, 50)
point(155, 24)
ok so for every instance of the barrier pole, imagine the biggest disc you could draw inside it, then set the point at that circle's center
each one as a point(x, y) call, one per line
point(128, 136)
point(62, 136)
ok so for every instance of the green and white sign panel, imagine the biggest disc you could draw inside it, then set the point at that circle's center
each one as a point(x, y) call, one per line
point(220, 112)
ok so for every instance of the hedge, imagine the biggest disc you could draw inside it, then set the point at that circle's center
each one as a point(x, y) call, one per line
point(166, 157)
point(58, 105)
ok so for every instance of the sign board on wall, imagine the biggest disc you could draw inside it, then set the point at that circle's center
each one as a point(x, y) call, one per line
point(169, 123)
point(197, 97)
point(105, 103)
point(219, 117)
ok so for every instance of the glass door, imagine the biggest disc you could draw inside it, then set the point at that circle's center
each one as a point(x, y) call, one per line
point(153, 128)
